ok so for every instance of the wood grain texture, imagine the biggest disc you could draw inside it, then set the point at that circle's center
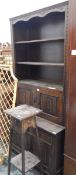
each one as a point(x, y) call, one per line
point(40, 46)
point(48, 97)
point(22, 112)
point(70, 135)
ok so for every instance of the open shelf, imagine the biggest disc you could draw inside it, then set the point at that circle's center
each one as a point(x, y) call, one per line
point(39, 48)
point(39, 56)
point(37, 29)
point(41, 63)
point(40, 40)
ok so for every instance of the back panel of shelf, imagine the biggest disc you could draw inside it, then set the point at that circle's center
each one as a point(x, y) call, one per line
point(42, 73)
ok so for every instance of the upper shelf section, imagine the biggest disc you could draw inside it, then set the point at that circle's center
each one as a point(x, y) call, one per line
point(50, 27)
point(60, 7)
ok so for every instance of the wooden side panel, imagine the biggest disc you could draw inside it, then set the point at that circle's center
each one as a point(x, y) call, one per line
point(70, 141)
point(72, 24)
point(69, 166)
point(50, 104)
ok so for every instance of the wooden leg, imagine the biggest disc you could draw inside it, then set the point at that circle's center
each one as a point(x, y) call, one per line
point(10, 151)
point(23, 152)
point(38, 141)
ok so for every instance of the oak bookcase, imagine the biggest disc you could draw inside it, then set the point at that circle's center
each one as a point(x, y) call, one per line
point(40, 62)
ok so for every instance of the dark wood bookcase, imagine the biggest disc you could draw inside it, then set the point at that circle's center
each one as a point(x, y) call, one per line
point(39, 42)
point(70, 134)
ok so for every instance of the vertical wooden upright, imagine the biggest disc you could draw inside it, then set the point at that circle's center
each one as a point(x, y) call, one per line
point(70, 135)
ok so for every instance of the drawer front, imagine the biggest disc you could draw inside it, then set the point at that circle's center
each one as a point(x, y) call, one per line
point(45, 137)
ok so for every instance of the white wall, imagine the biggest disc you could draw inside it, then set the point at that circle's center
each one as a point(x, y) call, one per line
point(11, 8)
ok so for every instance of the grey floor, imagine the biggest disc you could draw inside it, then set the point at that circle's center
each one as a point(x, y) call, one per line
point(14, 171)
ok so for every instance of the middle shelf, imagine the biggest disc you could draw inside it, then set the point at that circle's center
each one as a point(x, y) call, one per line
point(41, 63)
point(40, 40)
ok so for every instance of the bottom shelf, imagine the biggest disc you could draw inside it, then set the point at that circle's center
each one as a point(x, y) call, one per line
point(30, 161)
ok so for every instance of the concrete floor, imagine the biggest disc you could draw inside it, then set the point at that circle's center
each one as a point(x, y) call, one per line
point(14, 171)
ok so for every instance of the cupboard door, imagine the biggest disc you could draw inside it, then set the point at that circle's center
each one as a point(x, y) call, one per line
point(48, 103)
point(27, 95)
point(51, 102)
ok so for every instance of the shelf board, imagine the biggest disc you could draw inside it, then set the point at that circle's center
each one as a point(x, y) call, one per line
point(41, 63)
point(49, 126)
point(30, 161)
point(40, 40)
point(37, 83)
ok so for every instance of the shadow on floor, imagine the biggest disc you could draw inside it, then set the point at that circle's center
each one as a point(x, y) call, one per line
point(14, 171)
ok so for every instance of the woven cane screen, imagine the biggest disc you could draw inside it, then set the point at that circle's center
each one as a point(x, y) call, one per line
point(8, 86)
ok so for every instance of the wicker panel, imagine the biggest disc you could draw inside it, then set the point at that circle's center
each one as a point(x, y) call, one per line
point(8, 86)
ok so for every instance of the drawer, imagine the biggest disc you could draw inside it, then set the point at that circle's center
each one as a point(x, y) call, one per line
point(45, 136)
